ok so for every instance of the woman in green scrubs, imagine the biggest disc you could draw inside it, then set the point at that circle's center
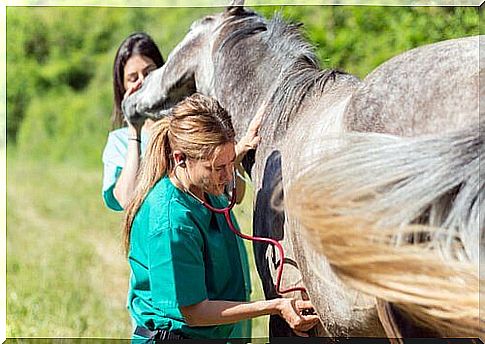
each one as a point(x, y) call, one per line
point(189, 271)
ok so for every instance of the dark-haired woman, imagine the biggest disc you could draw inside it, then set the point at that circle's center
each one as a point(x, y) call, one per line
point(137, 56)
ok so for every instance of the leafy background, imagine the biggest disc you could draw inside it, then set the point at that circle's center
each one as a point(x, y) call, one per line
point(66, 275)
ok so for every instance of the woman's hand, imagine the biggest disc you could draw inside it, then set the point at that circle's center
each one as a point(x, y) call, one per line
point(252, 138)
point(292, 311)
point(135, 127)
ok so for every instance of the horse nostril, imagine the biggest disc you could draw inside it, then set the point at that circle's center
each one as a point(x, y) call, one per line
point(207, 19)
point(308, 311)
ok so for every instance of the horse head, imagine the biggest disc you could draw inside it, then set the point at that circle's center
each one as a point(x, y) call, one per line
point(189, 67)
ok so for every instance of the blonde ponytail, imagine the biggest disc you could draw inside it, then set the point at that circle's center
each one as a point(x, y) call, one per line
point(155, 164)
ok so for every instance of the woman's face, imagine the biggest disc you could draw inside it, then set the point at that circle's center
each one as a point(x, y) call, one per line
point(213, 174)
point(137, 67)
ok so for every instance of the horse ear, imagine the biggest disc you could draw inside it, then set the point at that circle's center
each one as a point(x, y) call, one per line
point(236, 3)
point(235, 7)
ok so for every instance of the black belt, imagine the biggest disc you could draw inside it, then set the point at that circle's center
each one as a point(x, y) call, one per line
point(157, 334)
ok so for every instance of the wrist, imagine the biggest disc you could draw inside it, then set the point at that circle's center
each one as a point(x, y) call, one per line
point(277, 306)
point(134, 131)
point(134, 138)
point(240, 151)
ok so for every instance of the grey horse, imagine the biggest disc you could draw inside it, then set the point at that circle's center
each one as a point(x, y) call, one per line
point(249, 63)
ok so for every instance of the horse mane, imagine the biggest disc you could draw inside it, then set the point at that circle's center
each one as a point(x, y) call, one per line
point(298, 68)
point(300, 73)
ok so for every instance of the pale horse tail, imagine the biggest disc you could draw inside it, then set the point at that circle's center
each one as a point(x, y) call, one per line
point(398, 218)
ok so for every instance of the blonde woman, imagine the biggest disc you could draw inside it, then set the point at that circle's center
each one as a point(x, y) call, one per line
point(188, 277)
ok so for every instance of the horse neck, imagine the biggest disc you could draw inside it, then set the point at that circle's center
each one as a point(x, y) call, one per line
point(282, 84)
point(242, 87)
point(275, 66)
point(299, 90)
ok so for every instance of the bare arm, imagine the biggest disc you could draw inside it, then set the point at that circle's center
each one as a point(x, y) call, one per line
point(250, 141)
point(208, 313)
point(126, 183)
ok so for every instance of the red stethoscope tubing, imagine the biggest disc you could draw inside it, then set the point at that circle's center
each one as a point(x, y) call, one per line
point(227, 214)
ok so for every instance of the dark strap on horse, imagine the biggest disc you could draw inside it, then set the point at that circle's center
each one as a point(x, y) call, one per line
point(157, 335)
point(398, 325)
point(388, 322)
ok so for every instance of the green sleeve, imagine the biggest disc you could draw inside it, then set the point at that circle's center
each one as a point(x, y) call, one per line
point(177, 271)
point(108, 193)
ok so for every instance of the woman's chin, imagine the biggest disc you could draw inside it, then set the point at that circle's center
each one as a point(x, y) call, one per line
point(217, 191)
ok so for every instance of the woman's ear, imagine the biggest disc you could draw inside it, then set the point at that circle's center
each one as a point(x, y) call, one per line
point(179, 158)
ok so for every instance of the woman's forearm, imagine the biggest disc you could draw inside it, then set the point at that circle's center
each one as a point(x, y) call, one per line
point(241, 149)
point(251, 139)
point(240, 184)
point(208, 313)
point(126, 183)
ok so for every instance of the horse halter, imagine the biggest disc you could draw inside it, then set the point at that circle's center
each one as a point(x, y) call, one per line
point(227, 215)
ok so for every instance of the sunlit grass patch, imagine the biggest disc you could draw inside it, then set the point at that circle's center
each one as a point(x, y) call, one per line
point(66, 275)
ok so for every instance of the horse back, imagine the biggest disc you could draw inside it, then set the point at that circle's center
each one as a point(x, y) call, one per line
point(431, 89)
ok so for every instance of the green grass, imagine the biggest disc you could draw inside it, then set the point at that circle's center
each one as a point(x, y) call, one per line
point(66, 274)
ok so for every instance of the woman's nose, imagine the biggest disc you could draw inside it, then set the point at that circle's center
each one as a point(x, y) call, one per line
point(228, 174)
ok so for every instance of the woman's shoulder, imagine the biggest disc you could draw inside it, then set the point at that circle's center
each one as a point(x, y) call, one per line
point(164, 200)
point(120, 134)
point(116, 146)
point(118, 140)
point(159, 195)
point(172, 207)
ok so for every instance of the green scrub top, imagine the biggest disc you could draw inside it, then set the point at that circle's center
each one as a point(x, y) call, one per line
point(181, 254)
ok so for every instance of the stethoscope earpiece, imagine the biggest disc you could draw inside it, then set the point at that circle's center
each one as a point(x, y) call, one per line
point(181, 163)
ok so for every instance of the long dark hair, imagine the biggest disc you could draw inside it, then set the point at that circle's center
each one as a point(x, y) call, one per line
point(138, 43)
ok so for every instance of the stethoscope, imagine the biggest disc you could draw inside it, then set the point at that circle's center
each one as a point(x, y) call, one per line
point(227, 215)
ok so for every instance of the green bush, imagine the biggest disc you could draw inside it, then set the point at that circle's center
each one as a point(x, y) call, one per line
point(66, 126)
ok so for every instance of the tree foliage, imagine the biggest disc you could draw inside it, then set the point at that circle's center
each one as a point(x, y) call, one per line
point(59, 59)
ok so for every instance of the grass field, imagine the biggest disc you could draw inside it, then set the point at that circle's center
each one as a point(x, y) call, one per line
point(66, 274)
